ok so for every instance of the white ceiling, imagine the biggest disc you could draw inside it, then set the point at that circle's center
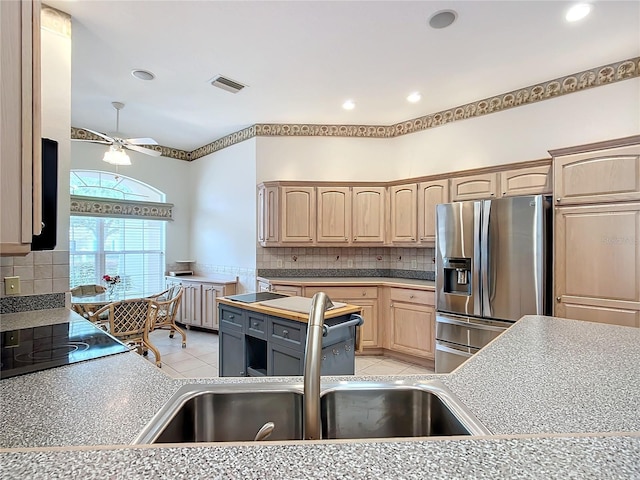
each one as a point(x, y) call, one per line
point(302, 59)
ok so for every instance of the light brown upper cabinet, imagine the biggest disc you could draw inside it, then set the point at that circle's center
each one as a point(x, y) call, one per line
point(526, 181)
point(603, 175)
point(368, 220)
point(298, 214)
point(597, 263)
point(430, 194)
point(20, 119)
point(334, 215)
point(268, 225)
point(403, 212)
point(474, 187)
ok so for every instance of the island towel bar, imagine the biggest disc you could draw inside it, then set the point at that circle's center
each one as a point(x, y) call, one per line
point(356, 320)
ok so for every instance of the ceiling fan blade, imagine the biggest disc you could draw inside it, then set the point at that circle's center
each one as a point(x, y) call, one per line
point(98, 134)
point(141, 141)
point(90, 141)
point(146, 151)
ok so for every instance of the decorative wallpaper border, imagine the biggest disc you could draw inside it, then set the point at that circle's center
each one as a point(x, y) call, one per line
point(575, 82)
point(224, 142)
point(82, 134)
point(55, 20)
point(93, 206)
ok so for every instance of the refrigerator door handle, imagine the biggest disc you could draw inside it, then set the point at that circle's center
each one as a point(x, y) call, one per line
point(485, 259)
point(476, 288)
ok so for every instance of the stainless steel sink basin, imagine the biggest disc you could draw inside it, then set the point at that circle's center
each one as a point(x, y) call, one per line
point(225, 413)
point(209, 413)
point(393, 411)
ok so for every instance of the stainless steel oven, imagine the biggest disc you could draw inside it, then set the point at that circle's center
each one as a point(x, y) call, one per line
point(459, 337)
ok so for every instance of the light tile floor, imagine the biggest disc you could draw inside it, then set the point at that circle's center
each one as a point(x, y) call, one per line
point(200, 358)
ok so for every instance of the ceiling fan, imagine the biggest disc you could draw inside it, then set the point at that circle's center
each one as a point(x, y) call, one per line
point(116, 154)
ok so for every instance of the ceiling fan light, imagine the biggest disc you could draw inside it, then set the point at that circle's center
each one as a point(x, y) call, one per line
point(116, 156)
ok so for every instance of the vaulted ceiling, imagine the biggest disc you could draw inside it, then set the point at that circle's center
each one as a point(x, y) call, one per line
point(301, 60)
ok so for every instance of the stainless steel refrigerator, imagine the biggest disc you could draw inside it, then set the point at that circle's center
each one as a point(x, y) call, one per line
point(493, 265)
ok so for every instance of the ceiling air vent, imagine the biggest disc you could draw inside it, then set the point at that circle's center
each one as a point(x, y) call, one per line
point(227, 84)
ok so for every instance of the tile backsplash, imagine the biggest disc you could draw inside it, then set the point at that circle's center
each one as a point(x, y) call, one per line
point(43, 272)
point(358, 259)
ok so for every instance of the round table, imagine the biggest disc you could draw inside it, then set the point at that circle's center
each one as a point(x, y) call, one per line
point(85, 304)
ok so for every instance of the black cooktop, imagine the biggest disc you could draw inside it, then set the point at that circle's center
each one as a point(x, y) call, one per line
point(255, 297)
point(29, 350)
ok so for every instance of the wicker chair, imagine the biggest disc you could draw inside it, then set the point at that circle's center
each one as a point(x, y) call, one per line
point(167, 304)
point(87, 291)
point(129, 321)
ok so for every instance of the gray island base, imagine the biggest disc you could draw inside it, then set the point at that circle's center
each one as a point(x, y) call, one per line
point(257, 340)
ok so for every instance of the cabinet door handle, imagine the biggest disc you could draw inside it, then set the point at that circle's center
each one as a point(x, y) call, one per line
point(410, 296)
point(558, 200)
point(285, 333)
point(558, 299)
point(231, 317)
point(256, 324)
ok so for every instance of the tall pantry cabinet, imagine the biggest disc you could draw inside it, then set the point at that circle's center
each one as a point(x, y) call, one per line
point(597, 232)
point(20, 135)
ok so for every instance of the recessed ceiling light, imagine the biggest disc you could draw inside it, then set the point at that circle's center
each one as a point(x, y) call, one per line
point(443, 18)
point(349, 105)
point(414, 97)
point(143, 74)
point(577, 12)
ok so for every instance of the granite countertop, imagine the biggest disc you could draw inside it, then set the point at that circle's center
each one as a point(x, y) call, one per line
point(389, 281)
point(561, 397)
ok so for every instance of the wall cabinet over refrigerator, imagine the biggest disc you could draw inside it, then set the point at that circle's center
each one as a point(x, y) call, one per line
point(20, 119)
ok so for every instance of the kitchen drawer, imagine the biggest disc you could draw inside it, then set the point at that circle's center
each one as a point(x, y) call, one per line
point(344, 292)
point(287, 332)
point(422, 297)
point(257, 325)
point(231, 319)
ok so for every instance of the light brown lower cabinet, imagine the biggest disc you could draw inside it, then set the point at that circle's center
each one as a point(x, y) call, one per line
point(411, 322)
point(198, 307)
point(361, 296)
point(597, 263)
point(291, 290)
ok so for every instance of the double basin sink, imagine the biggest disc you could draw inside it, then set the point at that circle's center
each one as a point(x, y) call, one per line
point(349, 410)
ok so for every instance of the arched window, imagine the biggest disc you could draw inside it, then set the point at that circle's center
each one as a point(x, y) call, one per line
point(117, 228)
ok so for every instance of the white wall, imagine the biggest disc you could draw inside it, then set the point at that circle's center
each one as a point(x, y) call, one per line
point(166, 174)
point(223, 213)
point(522, 133)
point(324, 159)
point(515, 135)
point(56, 117)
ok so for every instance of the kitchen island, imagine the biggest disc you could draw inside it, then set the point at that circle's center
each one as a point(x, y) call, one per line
point(268, 338)
point(560, 397)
